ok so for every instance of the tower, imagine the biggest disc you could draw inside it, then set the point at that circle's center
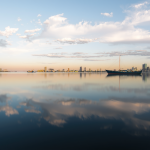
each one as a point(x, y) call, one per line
point(81, 69)
point(45, 69)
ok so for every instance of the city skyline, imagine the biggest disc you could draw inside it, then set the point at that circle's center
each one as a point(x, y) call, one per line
point(63, 36)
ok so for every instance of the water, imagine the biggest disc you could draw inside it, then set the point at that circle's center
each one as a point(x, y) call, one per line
point(74, 111)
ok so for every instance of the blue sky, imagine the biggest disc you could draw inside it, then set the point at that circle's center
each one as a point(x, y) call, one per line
point(62, 33)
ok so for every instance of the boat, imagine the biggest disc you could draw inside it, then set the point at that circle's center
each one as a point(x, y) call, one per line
point(123, 72)
point(135, 75)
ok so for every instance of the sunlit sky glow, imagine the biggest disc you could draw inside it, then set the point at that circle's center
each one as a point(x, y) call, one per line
point(65, 34)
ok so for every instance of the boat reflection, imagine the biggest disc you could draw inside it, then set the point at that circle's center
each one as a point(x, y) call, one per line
point(114, 75)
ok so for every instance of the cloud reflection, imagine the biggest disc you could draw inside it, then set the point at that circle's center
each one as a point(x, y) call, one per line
point(58, 112)
point(32, 111)
point(8, 110)
point(3, 98)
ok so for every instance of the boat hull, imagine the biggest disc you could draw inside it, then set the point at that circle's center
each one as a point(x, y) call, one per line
point(123, 73)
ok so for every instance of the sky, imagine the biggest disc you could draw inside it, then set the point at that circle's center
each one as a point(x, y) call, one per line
point(64, 34)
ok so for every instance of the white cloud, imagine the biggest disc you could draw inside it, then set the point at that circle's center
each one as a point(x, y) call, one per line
point(19, 19)
point(32, 31)
point(140, 5)
point(27, 37)
point(137, 18)
point(39, 22)
point(18, 34)
point(107, 14)
point(8, 31)
point(55, 20)
point(58, 48)
point(57, 28)
point(39, 15)
point(76, 41)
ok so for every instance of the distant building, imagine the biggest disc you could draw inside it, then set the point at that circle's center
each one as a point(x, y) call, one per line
point(84, 69)
point(144, 67)
point(45, 69)
point(100, 69)
point(40, 70)
point(80, 69)
point(89, 69)
point(0, 69)
point(133, 69)
point(5, 70)
point(63, 70)
point(51, 70)
point(68, 70)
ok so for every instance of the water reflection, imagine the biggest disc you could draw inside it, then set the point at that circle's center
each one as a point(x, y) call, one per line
point(113, 75)
point(85, 107)
point(58, 112)
point(8, 110)
point(80, 75)
point(3, 98)
point(145, 76)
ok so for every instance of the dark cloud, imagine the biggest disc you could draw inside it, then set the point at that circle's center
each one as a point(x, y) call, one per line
point(27, 37)
point(3, 43)
point(86, 56)
point(127, 53)
point(69, 55)
point(79, 53)
point(95, 60)
point(75, 41)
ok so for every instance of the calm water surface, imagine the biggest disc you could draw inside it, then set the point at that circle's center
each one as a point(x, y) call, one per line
point(74, 111)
